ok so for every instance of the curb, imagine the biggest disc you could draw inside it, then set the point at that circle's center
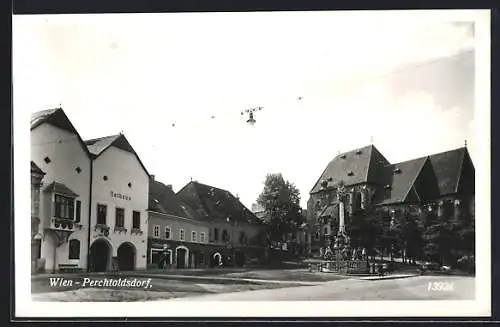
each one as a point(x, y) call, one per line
point(228, 279)
point(387, 277)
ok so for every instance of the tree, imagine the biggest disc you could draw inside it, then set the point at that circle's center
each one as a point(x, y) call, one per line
point(280, 200)
point(365, 230)
point(439, 238)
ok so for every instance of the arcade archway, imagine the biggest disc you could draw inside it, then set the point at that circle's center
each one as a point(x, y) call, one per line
point(126, 256)
point(182, 256)
point(100, 255)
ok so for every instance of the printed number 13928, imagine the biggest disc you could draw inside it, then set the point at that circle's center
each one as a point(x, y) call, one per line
point(440, 286)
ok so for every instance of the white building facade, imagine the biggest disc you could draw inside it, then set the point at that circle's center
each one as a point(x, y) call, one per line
point(59, 151)
point(119, 203)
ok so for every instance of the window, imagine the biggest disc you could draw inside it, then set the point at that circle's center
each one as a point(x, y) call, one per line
point(64, 207)
point(78, 211)
point(74, 249)
point(387, 192)
point(193, 236)
point(243, 238)
point(202, 237)
point(101, 214)
point(181, 234)
point(156, 231)
point(47, 160)
point(216, 234)
point(225, 236)
point(325, 231)
point(136, 219)
point(120, 217)
point(317, 235)
point(167, 232)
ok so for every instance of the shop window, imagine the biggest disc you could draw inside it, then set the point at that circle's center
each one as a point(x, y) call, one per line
point(155, 256)
point(64, 207)
point(74, 249)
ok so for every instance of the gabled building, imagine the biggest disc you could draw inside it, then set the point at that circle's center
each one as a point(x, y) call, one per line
point(94, 199)
point(177, 237)
point(235, 232)
point(37, 263)
point(58, 150)
point(443, 182)
point(118, 205)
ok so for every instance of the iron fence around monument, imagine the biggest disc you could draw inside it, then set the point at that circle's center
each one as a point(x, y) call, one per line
point(342, 266)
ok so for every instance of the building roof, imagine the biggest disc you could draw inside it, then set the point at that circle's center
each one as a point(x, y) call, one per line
point(60, 188)
point(447, 167)
point(214, 203)
point(56, 117)
point(164, 200)
point(35, 169)
point(412, 180)
point(97, 146)
point(401, 177)
point(357, 166)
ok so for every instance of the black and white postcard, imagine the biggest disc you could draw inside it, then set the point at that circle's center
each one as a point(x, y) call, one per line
point(267, 164)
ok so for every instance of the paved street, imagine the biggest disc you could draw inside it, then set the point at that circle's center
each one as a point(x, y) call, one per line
point(413, 288)
point(294, 284)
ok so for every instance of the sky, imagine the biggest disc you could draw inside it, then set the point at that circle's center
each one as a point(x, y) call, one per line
point(399, 81)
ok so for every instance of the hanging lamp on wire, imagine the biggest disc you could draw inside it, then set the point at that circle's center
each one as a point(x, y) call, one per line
point(251, 120)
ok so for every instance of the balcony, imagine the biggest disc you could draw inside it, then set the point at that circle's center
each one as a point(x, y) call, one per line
point(101, 230)
point(63, 224)
point(136, 231)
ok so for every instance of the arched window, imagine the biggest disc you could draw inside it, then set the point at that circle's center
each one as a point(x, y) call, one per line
point(74, 249)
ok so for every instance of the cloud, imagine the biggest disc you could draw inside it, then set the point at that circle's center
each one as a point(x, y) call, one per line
point(141, 73)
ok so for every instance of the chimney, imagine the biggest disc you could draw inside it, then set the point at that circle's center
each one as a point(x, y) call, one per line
point(169, 186)
point(153, 177)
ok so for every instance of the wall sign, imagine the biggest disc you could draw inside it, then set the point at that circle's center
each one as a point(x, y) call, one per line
point(120, 196)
